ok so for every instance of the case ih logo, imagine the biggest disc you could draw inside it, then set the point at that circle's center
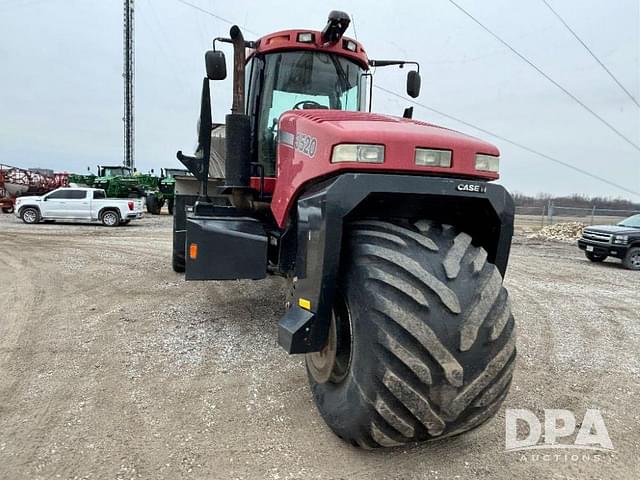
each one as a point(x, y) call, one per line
point(557, 424)
point(471, 187)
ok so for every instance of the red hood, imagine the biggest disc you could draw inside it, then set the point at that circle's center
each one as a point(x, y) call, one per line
point(306, 139)
point(363, 127)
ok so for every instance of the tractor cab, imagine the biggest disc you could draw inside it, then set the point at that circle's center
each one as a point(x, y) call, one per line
point(294, 70)
point(173, 172)
point(113, 171)
point(123, 182)
point(282, 79)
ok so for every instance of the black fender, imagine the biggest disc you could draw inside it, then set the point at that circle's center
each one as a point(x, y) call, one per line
point(483, 210)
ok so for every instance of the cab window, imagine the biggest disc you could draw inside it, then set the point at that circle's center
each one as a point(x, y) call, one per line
point(77, 194)
point(302, 80)
point(59, 195)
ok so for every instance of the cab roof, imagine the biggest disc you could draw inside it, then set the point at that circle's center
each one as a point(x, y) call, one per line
point(291, 40)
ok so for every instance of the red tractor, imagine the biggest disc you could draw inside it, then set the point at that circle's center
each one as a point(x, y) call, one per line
point(389, 231)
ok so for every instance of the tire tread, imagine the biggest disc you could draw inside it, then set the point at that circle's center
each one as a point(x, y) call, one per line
point(429, 383)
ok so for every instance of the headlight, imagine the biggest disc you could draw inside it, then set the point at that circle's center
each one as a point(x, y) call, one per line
point(433, 158)
point(358, 153)
point(487, 163)
point(620, 239)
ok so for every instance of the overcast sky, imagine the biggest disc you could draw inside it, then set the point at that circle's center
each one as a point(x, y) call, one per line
point(61, 84)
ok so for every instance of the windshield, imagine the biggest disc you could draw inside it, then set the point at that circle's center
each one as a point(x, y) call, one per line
point(632, 221)
point(115, 172)
point(172, 172)
point(302, 80)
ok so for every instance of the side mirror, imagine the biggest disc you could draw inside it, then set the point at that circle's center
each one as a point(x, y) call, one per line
point(216, 65)
point(413, 84)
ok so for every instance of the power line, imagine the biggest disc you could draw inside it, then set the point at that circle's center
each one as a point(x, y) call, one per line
point(353, 24)
point(536, 68)
point(512, 142)
point(604, 67)
point(222, 19)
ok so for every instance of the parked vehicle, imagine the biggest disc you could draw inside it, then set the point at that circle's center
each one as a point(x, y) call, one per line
point(620, 241)
point(89, 204)
point(390, 232)
point(167, 186)
point(122, 182)
point(15, 182)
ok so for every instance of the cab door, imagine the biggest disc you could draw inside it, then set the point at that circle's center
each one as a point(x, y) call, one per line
point(78, 205)
point(54, 203)
point(67, 203)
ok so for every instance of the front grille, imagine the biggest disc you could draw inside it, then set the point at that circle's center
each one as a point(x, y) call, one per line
point(596, 236)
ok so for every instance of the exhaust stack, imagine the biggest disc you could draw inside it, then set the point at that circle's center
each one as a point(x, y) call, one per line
point(238, 125)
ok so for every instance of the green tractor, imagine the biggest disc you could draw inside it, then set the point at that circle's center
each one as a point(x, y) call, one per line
point(79, 180)
point(115, 180)
point(167, 186)
point(121, 182)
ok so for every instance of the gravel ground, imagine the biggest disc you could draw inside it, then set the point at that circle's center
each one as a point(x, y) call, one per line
point(111, 366)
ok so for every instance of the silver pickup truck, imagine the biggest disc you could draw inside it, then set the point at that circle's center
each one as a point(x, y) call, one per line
point(88, 204)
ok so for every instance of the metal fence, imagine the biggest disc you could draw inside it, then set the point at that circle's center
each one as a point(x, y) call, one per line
point(533, 218)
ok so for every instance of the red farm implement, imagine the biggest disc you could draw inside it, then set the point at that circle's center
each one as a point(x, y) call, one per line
point(16, 182)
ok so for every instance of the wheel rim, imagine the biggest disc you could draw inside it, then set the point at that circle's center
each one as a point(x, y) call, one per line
point(635, 260)
point(332, 363)
point(29, 216)
point(110, 218)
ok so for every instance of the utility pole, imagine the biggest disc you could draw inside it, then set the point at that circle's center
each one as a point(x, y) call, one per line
point(128, 75)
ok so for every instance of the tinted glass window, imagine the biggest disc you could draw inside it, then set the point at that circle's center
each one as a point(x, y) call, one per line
point(115, 172)
point(303, 79)
point(59, 194)
point(247, 82)
point(98, 194)
point(77, 194)
point(633, 221)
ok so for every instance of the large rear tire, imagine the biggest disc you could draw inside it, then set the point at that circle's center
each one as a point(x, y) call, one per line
point(423, 338)
point(153, 204)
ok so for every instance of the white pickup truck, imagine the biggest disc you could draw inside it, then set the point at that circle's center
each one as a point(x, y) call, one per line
point(88, 204)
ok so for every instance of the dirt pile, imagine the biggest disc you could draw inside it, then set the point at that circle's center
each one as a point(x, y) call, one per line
point(560, 232)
